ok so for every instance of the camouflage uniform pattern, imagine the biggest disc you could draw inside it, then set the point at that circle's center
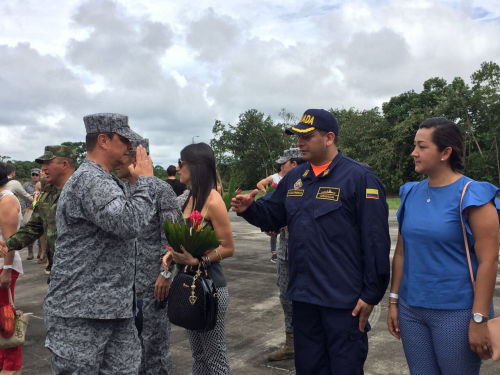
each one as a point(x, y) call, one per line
point(43, 220)
point(110, 123)
point(283, 278)
point(155, 334)
point(87, 346)
point(93, 272)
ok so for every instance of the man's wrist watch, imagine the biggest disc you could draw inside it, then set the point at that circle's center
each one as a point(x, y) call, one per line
point(7, 267)
point(479, 318)
point(166, 275)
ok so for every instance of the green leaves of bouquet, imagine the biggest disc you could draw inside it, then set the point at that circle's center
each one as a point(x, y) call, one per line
point(231, 193)
point(198, 239)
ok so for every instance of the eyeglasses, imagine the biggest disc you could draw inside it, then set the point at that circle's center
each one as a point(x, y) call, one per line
point(181, 163)
point(34, 174)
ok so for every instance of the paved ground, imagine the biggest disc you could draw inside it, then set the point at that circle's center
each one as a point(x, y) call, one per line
point(255, 324)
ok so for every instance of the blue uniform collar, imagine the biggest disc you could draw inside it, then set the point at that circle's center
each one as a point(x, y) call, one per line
point(308, 172)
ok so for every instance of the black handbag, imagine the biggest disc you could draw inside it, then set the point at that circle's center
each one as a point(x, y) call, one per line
point(193, 300)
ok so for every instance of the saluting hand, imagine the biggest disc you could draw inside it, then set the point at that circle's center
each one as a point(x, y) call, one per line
point(364, 310)
point(241, 202)
point(143, 165)
point(3, 249)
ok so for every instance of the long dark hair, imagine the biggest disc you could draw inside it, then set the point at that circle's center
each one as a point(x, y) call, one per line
point(4, 177)
point(200, 159)
point(447, 134)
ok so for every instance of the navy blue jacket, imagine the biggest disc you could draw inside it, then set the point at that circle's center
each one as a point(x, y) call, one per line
point(339, 240)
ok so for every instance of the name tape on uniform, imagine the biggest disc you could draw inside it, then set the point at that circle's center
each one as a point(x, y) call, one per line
point(328, 193)
point(295, 193)
point(371, 193)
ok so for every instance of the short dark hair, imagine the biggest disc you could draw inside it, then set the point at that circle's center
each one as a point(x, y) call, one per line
point(171, 170)
point(4, 176)
point(323, 133)
point(447, 134)
point(10, 168)
point(71, 162)
point(299, 161)
point(91, 140)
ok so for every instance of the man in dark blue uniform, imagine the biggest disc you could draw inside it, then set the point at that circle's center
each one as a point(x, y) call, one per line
point(339, 244)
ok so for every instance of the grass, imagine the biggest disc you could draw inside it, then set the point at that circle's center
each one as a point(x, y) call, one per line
point(392, 202)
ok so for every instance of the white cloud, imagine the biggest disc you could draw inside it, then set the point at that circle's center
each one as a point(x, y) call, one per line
point(175, 67)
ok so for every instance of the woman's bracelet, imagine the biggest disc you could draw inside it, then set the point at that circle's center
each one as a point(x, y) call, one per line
point(392, 303)
point(394, 295)
point(217, 252)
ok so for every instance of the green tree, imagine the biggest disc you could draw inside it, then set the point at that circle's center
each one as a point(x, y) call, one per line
point(80, 149)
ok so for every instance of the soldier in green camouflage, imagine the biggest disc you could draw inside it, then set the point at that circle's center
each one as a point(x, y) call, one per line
point(58, 163)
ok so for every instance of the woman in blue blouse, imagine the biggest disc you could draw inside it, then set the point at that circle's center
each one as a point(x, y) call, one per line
point(432, 300)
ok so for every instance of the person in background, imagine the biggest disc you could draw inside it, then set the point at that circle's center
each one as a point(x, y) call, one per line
point(262, 186)
point(151, 282)
point(15, 186)
point(59, 163)
point(11, 360)
point(178, 186)
point(287, 350)
point(30, 188)
point(433, 308)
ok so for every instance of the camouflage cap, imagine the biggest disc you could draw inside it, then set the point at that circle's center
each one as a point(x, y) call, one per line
point(52, 152)
point(295, 153)
point(282, 159)
point(35, 170)
point(144, 142)
point(110, 123)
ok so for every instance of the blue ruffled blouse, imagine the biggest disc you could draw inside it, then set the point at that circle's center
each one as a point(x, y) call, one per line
point(435, 267)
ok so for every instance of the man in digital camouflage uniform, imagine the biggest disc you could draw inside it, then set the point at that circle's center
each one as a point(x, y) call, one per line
point(151, 282)
point(59, 164)
point(89, 308)
point(30, 188)
point(293, 159)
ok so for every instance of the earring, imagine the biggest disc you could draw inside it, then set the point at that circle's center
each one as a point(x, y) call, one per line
point(442, 159)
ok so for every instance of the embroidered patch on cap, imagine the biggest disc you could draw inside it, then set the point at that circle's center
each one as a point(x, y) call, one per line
point(371, 193)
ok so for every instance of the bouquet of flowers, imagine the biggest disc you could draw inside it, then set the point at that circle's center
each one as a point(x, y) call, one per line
point(271, 187)
point(198, 238)
point(232, 192)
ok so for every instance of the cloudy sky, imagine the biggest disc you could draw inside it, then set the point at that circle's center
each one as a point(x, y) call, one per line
point(174, 67)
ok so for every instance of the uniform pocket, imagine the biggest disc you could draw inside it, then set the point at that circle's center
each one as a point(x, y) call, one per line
point(328, 214)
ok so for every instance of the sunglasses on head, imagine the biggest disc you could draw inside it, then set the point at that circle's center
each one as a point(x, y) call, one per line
point(181, 163)
point(34, 174)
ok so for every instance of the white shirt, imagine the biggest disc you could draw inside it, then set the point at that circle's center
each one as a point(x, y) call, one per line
point(276, 178)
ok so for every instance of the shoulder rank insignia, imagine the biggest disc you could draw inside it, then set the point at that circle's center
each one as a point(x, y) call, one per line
point(298, 184)
point(306, 173)
point(371, 193)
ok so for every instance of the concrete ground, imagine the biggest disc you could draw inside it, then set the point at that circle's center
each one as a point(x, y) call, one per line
point(254, 325)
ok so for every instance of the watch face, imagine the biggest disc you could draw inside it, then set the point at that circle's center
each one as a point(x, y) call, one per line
point(478, 318)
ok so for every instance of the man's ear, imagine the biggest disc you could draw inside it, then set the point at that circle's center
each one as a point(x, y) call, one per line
point(103, 141)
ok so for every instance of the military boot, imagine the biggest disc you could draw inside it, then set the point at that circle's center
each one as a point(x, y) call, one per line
point(286, 352)
point(30, 253)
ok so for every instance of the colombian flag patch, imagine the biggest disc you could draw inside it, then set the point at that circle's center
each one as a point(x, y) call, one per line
point(371, 193)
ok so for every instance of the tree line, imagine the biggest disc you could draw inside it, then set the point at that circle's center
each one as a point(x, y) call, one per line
point(380, 137)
